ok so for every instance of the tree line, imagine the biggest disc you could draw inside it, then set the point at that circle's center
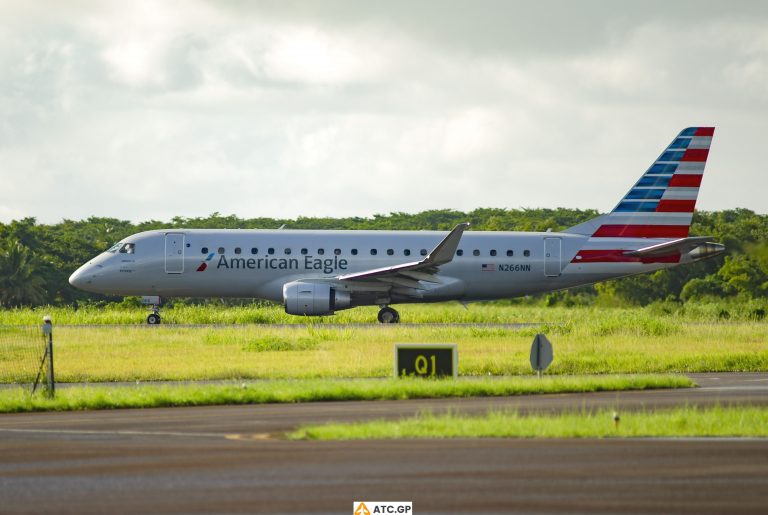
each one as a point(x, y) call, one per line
point(37, 259)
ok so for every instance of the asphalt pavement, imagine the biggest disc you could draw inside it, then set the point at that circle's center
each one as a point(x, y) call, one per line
point(232, 459)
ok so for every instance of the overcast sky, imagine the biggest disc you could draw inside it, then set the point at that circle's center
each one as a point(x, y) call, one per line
point(147, 110)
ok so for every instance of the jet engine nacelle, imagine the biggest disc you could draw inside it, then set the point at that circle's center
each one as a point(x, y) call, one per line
point(313, 299)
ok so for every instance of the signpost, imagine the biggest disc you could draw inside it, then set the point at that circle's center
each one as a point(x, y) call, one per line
point(541, 354)
point(426, 360)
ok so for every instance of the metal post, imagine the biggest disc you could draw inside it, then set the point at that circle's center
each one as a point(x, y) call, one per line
point(48, 330)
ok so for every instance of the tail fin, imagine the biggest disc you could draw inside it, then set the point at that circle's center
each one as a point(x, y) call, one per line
point(661, 203)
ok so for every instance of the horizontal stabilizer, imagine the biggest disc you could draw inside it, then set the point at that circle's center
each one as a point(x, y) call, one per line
point(680, 246)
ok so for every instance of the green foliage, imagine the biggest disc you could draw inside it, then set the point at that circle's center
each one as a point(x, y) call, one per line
point(20, 283)
point(744, 275)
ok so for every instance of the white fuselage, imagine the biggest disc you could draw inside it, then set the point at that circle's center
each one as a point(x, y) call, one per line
point(258, 263)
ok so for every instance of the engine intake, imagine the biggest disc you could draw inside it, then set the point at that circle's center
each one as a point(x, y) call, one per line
point(313, 299)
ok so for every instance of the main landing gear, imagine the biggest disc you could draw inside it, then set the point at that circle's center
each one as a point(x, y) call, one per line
point(388, 315)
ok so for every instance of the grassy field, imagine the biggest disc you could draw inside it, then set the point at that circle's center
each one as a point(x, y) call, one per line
point(586, 341)
point(600, 344)
point(682, 422)
point(314, 390)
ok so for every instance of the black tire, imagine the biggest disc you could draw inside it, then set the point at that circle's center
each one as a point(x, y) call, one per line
point(153, 319)
point(388, 315)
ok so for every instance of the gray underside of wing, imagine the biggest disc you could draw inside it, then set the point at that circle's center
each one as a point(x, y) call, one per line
point(416, 275)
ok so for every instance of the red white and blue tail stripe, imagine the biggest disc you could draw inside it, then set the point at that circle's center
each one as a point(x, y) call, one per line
point(661, 203)
point(658, 208)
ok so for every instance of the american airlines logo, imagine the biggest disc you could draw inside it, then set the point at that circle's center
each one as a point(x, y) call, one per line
point(204, 264)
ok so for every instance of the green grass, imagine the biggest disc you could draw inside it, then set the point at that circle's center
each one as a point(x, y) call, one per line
point(494, 312)
point(172, 353)
point(680, 422)
point(586, 341)
point(153, 396)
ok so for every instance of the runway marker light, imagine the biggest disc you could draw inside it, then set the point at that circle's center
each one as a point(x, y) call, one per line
point(616, 420)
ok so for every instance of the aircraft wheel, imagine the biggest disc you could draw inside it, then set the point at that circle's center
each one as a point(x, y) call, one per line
point(153, 319)
point(388, 315)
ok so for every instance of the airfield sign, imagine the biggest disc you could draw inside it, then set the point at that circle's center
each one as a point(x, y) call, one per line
point(426, 360)
point(541, 353)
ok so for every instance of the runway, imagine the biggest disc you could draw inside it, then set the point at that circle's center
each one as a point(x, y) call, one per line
point(231, 459)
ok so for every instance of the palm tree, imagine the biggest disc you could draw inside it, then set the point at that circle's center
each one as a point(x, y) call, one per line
point(20, 282)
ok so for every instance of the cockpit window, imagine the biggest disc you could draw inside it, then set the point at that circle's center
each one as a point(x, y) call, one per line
point(128, 248)
point(114, 248)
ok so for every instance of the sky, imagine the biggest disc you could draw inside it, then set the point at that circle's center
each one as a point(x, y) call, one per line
point(153, 109)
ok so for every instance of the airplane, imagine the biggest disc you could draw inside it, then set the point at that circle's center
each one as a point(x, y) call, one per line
point(317, 273)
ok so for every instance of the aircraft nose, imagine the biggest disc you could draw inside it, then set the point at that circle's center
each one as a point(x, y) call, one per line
point(83, 277)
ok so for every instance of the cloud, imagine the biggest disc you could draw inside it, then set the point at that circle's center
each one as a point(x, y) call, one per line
point(155, 109)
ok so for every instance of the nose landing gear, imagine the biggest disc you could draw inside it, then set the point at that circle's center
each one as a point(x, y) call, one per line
point(388, 315)
point(154, 302)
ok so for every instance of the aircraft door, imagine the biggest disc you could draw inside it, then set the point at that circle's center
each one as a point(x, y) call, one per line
point(552, 266)
point(174, 253)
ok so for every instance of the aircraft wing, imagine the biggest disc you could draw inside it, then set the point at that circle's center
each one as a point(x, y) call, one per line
point(681, 246)
point(409, 274)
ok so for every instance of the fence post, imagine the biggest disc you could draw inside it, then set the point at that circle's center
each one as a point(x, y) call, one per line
point(48, 331)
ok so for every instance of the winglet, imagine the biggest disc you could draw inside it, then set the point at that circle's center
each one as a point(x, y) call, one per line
point(446, 249)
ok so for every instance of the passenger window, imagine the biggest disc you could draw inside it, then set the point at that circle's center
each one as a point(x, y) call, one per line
point(407, 252)
point(270, 251)
point(320, 252)
point(423, 252)
point(238, 250)
point(204, 250)
point(373, 252)
point(354, 252)
point(337, 251)
point(475, 252)
point(304, 252)
point(221, 250)
point(390, 252)
point(510, 253)
point(287, 252)
point(493, 252)
point(254, 250)
point(526, 253)
point(459, 252)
